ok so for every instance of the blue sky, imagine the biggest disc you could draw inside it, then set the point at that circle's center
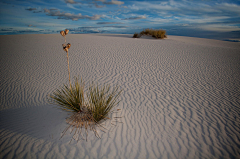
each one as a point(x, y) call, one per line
point(198, 18)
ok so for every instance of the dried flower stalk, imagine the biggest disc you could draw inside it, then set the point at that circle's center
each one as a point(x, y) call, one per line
point(66, 48)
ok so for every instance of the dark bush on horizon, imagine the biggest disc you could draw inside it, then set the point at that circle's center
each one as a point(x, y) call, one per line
point(158, 34)
point(136, 35)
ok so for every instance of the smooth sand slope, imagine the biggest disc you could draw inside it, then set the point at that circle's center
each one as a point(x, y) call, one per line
point(181, 96)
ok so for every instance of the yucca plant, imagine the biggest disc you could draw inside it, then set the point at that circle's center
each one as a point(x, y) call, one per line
point(70, 98)
point(101, 100)
point(85, 115)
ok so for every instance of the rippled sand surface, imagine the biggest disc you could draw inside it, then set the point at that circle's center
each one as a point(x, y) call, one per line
point(180, 99)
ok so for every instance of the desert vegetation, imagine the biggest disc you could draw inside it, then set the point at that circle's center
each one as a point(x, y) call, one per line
point(136, 35)
point(158, 34)
point(89, 109)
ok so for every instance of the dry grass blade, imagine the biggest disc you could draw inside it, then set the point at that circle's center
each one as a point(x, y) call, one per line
point(102, 100)
point(70, 99)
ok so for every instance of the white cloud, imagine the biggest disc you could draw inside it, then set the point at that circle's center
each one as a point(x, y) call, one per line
point(188, 8)
point(135, 18)
point(31, 9)
point(219, 27)
point(109, 23)
point(151, 6)
point(204, 19)
point(98, 6)
point(188, 12)
point(114, 2)
point(71, 1)
point(159, 20)
point(100, 0)
point(67, 16)
point(229, 7)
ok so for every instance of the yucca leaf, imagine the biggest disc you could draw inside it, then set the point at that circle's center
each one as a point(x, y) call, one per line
point(102, 100)
point(69, 98)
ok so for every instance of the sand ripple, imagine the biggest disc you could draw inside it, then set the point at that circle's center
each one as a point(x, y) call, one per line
point(181, 96)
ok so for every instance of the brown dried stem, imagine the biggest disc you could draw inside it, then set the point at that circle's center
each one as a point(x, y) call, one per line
point(66, 48)
point(69, 71)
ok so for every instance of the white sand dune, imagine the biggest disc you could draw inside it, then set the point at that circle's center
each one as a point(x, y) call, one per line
point(181, 96)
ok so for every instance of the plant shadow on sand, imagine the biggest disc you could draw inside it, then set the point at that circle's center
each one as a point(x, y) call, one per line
point(41, 122)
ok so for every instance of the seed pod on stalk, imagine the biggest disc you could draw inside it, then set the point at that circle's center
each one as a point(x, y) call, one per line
point(65, 48)
point(66, 31)
point(68, 45)
point(62, 33)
